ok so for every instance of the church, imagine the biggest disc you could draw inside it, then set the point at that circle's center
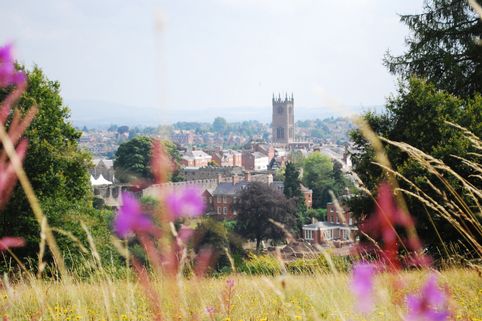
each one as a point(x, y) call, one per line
point(283, 123)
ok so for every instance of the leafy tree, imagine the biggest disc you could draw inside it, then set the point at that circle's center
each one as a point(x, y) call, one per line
point(133, 159)
point(318, 176)
point(220, 125)
point(256, 205)
point(416, 116)
point(444, 47)
point(292, 190)
point(56, 167)
point(218, 236)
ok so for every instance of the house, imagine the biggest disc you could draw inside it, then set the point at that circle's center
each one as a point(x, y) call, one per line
point(195, 159)
point(224, 197)
point(255, 161)
point(337, 227)
point(227, 158)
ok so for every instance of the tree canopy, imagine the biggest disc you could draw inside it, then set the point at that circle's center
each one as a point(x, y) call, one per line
point(133, 159)
point(256, 206)
point(443, 47)
point(318, 175)
point(417, 116)
point(57, 169)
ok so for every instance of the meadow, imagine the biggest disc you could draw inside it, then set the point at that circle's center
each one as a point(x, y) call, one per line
point(321, 296)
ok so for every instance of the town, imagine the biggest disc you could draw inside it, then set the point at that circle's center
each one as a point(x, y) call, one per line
point(255, 153)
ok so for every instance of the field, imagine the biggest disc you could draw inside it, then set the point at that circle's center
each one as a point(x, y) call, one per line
point(323, 296)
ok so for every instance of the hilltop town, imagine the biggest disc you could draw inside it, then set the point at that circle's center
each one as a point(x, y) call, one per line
point(223, 158)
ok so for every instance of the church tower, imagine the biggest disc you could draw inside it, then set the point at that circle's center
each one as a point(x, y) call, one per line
point(283, 124)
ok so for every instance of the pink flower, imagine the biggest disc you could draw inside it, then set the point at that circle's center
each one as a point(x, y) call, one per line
point(8, 74)
point(187, 202)
point(429, 305)
point(362, 286)
point(230, 283)
point(130, 218)
point(10, 242)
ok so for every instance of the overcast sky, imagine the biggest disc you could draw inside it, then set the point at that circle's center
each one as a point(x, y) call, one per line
point(185, 54)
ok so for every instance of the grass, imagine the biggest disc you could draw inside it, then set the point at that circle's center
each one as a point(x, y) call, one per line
point(323, 296)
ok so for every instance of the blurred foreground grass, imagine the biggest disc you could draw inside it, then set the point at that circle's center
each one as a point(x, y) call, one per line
point(322, 296)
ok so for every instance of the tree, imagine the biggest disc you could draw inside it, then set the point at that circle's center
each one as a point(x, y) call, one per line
point(217, 236)
point(318, 176)
point(416, 116)
point(220, 125)
point(56, 167)
point(133, 159)
point(256, 206)
point(292, 190)
point(443, 47)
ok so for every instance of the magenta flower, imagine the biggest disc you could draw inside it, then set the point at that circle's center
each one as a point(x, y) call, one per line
point(429, 305)
point(130, 218)
point(362, 286)
point(10, 242)
point(8, 74)
point(187, 202)
point(230, 283)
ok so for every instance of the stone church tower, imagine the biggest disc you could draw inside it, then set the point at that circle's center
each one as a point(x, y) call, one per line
point(283, 124)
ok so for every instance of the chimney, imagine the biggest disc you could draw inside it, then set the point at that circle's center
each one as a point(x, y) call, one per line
point(247, 176)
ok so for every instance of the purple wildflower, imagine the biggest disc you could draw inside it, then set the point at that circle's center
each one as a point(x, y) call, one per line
point(186, 202)
point(209, 310)
point(230, 283)
point(429, 305)
point(130, 218)
point(362, 286)
point(11, 242)
point(8, 74)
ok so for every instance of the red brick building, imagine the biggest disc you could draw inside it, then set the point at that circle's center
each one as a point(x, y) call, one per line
point(338, 226)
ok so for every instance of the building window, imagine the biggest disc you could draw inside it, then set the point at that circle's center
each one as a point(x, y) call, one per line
point(280, 133)
point(219, 199)
point(308, 234)
point(225, 210)
point(351, 221)
point(225, 200)
point(219, 210)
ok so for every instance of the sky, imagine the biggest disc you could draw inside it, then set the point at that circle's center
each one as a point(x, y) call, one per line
point(189, 57)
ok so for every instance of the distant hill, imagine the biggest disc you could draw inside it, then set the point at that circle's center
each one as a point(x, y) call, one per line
point(102, 114)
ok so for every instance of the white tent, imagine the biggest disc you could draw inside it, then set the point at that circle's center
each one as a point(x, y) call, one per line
point(100, 181)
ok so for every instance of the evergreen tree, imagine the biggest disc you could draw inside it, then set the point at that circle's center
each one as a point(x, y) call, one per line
point(292, 190)
point(444, 47)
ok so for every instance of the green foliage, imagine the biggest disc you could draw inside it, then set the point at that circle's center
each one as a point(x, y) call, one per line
point(318, 213)
point(318, 176)
point(442, 47)
point(416, 116)
point(220, 125)
point(217, 236)
point(57, 169)
point(256, 205)
point(133, 159)
point(292, 190)
point(261, 265)
point(319, 265)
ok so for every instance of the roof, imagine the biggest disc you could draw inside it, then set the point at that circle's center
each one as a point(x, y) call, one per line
point(259, 155)
point(229, 188)
point(322, 225)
